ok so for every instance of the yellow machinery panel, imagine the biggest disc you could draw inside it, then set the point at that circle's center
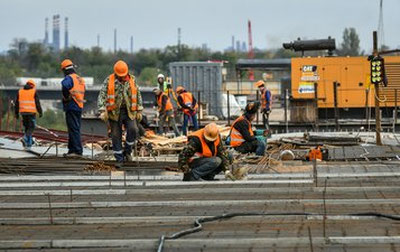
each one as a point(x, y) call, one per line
point(352, 76)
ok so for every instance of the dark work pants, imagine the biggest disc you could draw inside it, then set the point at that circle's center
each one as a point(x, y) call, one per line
point(167, 115)
point(255, 146)
point(266, 120)
point(116, 135)
point(206, 168)
point(185, 124)
point(73, 119)
point(29, 122)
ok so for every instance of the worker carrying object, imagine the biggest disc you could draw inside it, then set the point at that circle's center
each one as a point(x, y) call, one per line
point(241, 136)
point(204, 156)
point(120, 104)
point(166, 112)
point(27, 104)
point(73, 91)
point(266, 102)
point(189, 107)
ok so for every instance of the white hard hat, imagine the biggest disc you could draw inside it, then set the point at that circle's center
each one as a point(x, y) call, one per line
point(160, 76)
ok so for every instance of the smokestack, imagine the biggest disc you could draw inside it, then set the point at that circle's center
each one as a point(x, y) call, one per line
point(46, 32)
point(131, 44)
point(56, 33)
point(233, 43)
point(179, 37)
point(66, 44)
point(98, 40)
point(115, 40)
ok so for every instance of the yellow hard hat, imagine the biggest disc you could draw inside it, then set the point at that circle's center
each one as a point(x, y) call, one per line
point(121, 68)
point(66, 63)
point(211, 132)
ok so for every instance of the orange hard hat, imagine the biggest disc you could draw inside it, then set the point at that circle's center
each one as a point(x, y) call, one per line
point(66, 63)
point(31, 83)
point(211, 132)
point(121, 68)
point(260, 83)
point(180, 89)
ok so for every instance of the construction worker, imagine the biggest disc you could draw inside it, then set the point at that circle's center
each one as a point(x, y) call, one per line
point(73, 91)
point(163, 85)
point(166, 111)
point(189, 107)
point(204, 156)
point(120, 104)
point(241, 136)
point(27, 104)
point(266, 102)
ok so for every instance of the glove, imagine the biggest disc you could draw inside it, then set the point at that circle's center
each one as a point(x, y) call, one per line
point(104, 116)
point(229, 175)
point(185, 168)
point(139, 116)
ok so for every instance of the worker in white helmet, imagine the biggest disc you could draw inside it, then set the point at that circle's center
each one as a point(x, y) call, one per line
point(163, 85)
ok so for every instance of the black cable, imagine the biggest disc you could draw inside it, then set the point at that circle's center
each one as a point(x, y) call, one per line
point(198, 227)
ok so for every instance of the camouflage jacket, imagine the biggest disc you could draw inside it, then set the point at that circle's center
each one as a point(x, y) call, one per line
point(122, 93)
point(194, 146)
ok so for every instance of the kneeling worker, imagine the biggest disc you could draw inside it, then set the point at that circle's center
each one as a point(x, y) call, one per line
point(242, 136)
point(204, 156)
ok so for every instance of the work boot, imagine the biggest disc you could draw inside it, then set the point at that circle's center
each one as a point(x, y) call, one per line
point(127, 157)
point(188, 177)
point(209, 178)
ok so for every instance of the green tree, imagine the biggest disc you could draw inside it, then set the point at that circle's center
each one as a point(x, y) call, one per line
point(351, 43)
point(148, 76)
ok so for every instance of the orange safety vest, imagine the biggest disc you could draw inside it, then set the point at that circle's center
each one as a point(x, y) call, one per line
point(78, 90)
point(237, 138)
point(168, 106)
point(206, 152)
point(187, 98)
point(111, 94)
point(264, 101)
point(26, 98)
point(315, 154)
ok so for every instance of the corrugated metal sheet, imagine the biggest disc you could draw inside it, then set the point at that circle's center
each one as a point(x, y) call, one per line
point(201, 77)
point(393, 76)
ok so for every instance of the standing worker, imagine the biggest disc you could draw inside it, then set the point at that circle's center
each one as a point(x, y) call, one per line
point(120, 103)
point(266, 102)
point(73, 91)
point(242, 137)
point(162, 84)
point(166, 111)
point(28, 105)
point(204, 156)
point(189, 106)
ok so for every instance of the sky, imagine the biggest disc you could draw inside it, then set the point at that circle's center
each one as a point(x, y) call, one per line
point(154, 24)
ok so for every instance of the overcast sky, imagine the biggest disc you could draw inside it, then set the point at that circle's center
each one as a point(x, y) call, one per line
point(154, 23)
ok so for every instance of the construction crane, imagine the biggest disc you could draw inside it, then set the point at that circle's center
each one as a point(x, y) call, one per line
point(251, 52)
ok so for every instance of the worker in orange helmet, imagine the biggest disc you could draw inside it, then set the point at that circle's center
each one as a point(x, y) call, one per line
point(28, 105)
point(166, 111)
point(120, 104)
point(266, 102)
point(241, 136)
point(73, 91)
point(189, 107)
point(204, 155)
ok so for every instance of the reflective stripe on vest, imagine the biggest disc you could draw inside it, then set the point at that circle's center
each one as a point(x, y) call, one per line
point(26, 98)
point(78, 89)
point(111, 93)
point(187, 98)
point(206, 152)
point(264, 101)
point(237, 138)
point(168, 106)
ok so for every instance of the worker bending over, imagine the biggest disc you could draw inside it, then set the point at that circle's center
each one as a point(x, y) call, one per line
point(204, 156)
point(266, 102)
point(189, 107)
point(73, 91)
point(242, 137)
point(166, 112)
point(120, 103)
point(28, 105)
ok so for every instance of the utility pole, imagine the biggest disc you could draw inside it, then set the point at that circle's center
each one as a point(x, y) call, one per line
point(377, 105)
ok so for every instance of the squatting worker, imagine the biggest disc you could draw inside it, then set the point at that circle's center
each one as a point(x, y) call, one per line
point(120, 103)
point(73, 91)
point(266, 102)
point(189, 107)
point(204, 156)
point(28, 105)
point(241, 136)
point(166, 112)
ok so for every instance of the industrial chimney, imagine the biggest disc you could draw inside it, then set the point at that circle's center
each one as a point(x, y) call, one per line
point(56, 33)
point(66, 38)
